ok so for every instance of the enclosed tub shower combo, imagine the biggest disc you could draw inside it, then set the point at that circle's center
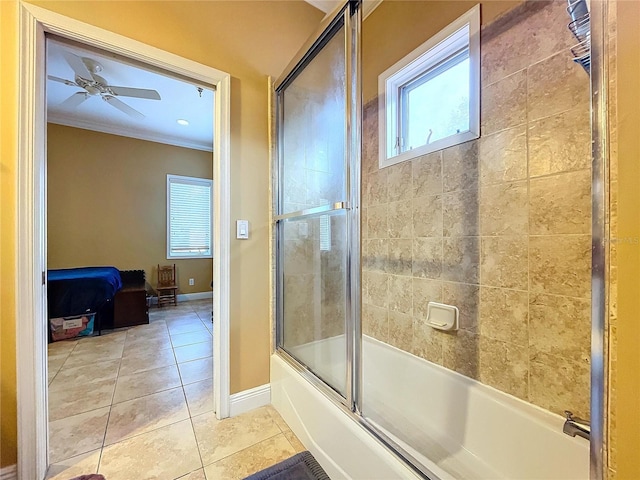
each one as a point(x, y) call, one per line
point(433, 242)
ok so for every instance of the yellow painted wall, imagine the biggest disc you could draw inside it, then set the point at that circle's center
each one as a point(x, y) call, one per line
point(107, 203)
point(8, 154)
point(628, 334)
point(248, 39)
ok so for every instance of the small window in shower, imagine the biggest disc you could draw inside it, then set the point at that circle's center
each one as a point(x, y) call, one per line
point(429, 100)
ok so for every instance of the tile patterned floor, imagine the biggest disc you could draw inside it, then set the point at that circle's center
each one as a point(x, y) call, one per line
point(137, 404)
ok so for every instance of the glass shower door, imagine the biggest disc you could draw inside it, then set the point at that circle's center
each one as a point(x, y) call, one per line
point(315, 214)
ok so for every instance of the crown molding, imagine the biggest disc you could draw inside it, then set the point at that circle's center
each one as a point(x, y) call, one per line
point(127, 132)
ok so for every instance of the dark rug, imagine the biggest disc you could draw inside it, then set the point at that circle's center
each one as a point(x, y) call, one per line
point(301, 466)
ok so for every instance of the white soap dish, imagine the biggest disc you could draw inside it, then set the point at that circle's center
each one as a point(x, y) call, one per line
point(442, 317)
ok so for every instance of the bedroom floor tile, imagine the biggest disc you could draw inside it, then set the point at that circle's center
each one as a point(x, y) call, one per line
point(134, 414)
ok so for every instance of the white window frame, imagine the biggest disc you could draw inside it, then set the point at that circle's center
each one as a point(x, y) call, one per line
point(192, 181)
point(439, 47)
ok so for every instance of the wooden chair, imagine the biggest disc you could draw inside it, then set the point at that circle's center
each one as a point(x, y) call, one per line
point(167, 287)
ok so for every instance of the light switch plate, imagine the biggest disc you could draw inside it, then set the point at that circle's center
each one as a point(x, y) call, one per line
point(242, 229)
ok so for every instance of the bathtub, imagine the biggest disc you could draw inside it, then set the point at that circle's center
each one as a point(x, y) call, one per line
point(456, 427)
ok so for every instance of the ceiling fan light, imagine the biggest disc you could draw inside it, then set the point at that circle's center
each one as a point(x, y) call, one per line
point(182, 121)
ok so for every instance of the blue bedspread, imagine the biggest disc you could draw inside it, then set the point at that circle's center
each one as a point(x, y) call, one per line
point(72, 291)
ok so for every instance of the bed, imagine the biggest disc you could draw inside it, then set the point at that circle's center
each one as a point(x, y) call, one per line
point(75, 291)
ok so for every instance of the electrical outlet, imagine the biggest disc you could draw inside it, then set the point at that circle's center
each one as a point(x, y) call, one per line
point(192, 282)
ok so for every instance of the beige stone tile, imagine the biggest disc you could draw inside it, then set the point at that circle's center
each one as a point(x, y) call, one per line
point(460, 167)
point(427, 216)
point(144, 383)
point(166, 453)
point(504, 366)
point(561, 265)
point(196, 370)
point(364, 224)
point(504, 262)
point(63, 347)
point(277, 418)
point(401, 331)
point(138, 344)
point(504, 209)
point(220, 438)
point(401, 294)
point(200, 397)
point(194, 351)
point(294, 441)
point(400, 257)
point(140, 360)
point(377, 221)
point(461, 259)
point(300, 251)
point(83, 464)
point(370, 154)
point(561, 204)
point(400, 219)
point(182, 339)
point(187, 327)
point(425, 291)
point(375, 192)
point(66, 400)
point(467, 298)
point(375, 322)
point(427, 342)
point(399, 182)
point(560, 143)
point(197, 475)
point(149, 330)
point(460, 213)
point(555, 85)
point(375, 255)
point(96, 353)
point(560, 326)
point(461, 352)
point(504, 103)
point(106, 338)
point(535, 31)
point(375, 287)
point(77, 434)
point(503, 156)
point(504, 315)
point(74, 373)
point(426, 174)
point(251, 460)
point(144, 414)
point(427, 258)
point(558, 384)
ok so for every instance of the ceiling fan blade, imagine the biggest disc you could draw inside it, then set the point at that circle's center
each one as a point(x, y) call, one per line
point(75, 100)
point(77, 65)
point(62, 80)
point(123, 107)
point(135, 92)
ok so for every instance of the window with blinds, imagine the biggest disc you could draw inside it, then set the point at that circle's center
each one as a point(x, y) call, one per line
point(189, 217)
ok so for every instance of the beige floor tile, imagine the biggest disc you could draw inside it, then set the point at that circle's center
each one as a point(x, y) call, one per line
point(182, 339)
point(83, 464)
point(197, 475)
point(77, 434)
point(192, 326)
point(65, 401)
point(152, 330)
point(196, 370)
point(163, 454)
point(90, 353)
point(141, 360)
point(106, 337)
point(277, 418)
point(140, 384)
point(75, 373)
point(159, 342)
point(294, 441)
point(63, 347)
point(250, 460)
point(220, 438)
point(194, 351)
point(200, 397)
point(144, 414)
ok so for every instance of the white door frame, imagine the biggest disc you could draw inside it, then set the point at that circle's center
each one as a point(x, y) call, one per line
point(31, 324)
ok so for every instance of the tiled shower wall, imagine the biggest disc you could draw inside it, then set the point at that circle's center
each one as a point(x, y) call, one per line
point(499, 227)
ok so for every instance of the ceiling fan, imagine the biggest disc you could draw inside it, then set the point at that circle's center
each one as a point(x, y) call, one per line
point(86, 77)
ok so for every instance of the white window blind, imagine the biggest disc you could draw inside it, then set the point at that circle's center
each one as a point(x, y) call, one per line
point(189, 215)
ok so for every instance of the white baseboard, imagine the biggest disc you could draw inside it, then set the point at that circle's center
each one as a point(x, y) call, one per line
point(9, 473)
point(246, 400)
point(183, 297)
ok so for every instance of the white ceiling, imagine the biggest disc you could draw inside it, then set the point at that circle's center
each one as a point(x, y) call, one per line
point(179, 100)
